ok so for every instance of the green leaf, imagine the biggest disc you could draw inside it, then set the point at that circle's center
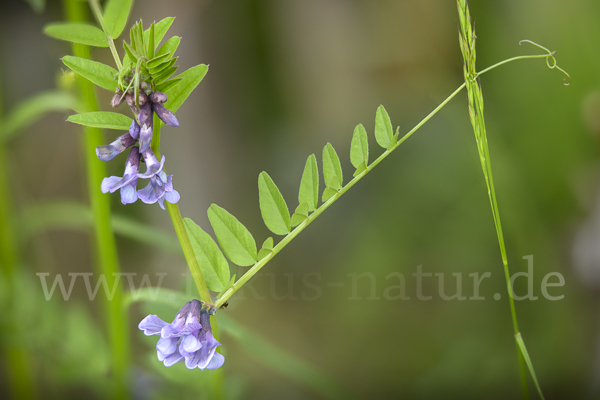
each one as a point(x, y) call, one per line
point(102, 119)
point(332, 169)
point(97, 73)
point(266, 249)
point(328, 193)
point(273, 208)
point(115, 16)
point(359, 147)
point(164, 75)
point(527, 359)
point(360, 169)
point(268, 244)
point(309, 185)
point(77, 32)
point(157, 60)
point(169, 47)
point(383, 128)
point(28, 111)
point(211, 260)
point(235, 240)
point(46, 216)
point(300, 215)
point(131, 53)
point(160, 30)
point(150, 41)
point(138, 36)
point(166, 85)
point(159, 69)
point(189, 80)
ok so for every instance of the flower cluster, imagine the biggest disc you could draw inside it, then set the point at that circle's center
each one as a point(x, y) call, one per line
point(160, 187)
point(189, 337)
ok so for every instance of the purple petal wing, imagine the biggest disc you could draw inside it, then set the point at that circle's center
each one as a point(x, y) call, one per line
point(152, 325)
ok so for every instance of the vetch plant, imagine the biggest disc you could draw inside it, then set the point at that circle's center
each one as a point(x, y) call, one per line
point(143, 78)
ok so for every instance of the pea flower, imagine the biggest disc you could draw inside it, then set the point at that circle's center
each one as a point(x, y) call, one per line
point(188, 338)
point(128, 182)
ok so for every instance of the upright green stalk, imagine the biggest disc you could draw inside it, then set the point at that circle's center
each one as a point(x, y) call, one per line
point(475, 97)
point(192, 262)
point(106, 250)
point(17, 359)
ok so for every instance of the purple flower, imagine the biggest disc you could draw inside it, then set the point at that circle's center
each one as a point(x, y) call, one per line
point(110, 151)
point(159, 189)
point(128, 182)
point(165, 115)
point(189, 337)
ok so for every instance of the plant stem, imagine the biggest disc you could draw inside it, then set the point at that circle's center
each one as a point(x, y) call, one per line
point(95, 6)
point(261, 263)
point(182, 235)
point(106, 249)
point(192, 262)
point(288, 238)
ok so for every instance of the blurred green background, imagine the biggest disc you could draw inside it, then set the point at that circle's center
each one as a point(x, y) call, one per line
point(285, 78)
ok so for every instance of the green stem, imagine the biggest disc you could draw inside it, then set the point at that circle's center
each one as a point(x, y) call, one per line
point(182, 235)
point(17, 358)
point(95, 6)
point(288, 238)
point(106, 249)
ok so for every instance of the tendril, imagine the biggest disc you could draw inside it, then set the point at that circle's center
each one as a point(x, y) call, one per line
point(550, 60)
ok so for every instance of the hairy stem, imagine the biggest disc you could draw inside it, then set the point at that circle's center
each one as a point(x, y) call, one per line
point(105, 245)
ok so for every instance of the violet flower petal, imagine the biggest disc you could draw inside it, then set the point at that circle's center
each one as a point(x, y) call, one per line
point(165, 115)
point(152, 325)
point(167, 346)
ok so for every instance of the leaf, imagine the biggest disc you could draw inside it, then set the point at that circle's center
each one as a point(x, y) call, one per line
point(169, 47)
point(102, 119)
point(28, 111)
point(309, 185)
point(300, 215)
point(166, 85)
point(527, 359)
point(189, 80)
point(160, 30)
point(268, 244)
point(164, 75)
point(266, 249)
point(116, 14)
point(131, 53)
point(63, 215)
point(359, 147)
point(150, 41)
point(159, 59)
point(383, 128)
point(360, 169)
point(328, 193)
point(97, 73)
point(159, 69)
point(211, 260)
point(138, 36)
point(273, 208)
point(77, 32)
point(235, 240)
point(332, 169)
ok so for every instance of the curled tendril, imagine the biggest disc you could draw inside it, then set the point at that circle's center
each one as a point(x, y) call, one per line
point(550, 60)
